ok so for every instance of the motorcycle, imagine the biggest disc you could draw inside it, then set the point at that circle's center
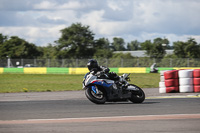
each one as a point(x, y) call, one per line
point(99, 89)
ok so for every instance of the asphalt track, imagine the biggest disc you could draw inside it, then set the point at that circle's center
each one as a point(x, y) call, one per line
point(68, 112)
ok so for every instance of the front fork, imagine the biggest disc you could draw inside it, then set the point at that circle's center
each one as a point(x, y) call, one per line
point(95, 89)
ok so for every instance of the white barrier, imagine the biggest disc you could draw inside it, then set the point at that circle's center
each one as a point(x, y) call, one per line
point(185, 80)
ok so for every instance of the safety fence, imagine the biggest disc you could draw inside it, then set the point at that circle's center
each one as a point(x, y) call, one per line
point(134, 62)
point(83, 70)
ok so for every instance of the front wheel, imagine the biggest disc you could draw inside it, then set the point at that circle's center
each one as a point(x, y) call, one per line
point(137, 95)
point(99, 98)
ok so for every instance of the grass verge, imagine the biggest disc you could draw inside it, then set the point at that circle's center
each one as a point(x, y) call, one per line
point(61, 82)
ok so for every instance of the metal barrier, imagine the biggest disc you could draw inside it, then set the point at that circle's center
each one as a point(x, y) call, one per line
point(135, 62)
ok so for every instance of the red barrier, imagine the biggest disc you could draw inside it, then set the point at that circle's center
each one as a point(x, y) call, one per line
point(196, 81)
point(171, 82)
point(197, 88)
point(196, 73)
point(172, 89)
point(173, 74)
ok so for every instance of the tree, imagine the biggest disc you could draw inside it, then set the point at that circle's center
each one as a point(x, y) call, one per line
point(189, 49)
point(16, 47)
point(133, 45)
point(122, 56)
point(102, 48)
point(3, 38)
point(192, 48)
point(155, 49)
point(103, 53)
point(118, 44)
point(179, 49)
point(165, 43)
point(76, 41)
point(102, 43)
point(48, 52)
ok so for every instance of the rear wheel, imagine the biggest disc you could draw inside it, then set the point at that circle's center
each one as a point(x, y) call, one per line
point(98, 98)
point(137, 95)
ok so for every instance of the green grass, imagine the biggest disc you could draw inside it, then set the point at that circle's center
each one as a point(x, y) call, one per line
point(60, 82)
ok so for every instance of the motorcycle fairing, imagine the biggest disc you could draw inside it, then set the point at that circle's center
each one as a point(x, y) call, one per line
point(102, 83)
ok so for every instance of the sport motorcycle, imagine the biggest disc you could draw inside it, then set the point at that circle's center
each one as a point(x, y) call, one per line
point(100, 89)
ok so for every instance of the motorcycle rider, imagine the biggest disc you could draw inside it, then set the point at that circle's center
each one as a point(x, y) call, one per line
point(154, 68)
point(94, 67)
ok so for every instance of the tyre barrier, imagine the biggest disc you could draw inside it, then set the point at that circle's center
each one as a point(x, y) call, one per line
point(196, 80)
point(172, 89)
point(196, 73)
point(173, 74)
point(162, 90)
point(186, 88)
point(162, 87)
point(196, 88)
point(162, 79)
point(168, 89)
point(162, 84)
point(184, 81)
point(185, 73)
point(169, 81)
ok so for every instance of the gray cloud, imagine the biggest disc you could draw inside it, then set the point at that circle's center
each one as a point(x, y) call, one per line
point(107, 18)
point(46, 20)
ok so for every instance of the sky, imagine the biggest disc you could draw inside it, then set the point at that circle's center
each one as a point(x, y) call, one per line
point(40, 21)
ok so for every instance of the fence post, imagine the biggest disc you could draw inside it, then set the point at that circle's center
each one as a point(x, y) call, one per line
point(122, 62)
point(63, 62)
point(22, 62)
point(8, 62)
point(35, 63)
point(188, 62)
point(48, 62)
point(76, 62)
point(138, 62)
point(171, 62)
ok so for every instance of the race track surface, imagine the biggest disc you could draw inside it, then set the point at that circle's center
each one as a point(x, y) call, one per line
point(27, 113)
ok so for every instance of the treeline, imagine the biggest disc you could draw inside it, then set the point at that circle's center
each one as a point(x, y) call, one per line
point(77, 41)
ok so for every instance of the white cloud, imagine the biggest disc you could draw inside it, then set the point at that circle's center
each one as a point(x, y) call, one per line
point(57, 5)
point(45, 5)
point(72, 5)
point(36, 35)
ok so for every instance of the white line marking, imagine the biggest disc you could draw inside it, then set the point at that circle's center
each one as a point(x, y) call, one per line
point(103, 119)
point(162, 97)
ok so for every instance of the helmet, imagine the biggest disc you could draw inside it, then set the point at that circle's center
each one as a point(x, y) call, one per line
point(92, 64)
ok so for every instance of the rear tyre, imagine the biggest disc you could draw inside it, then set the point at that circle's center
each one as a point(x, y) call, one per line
point(138, 95)
point(99, 98)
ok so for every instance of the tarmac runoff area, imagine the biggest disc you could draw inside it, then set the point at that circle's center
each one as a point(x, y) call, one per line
point(151, 93)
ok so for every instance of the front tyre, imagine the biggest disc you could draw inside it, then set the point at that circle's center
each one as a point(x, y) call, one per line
point(99, 98)
point(137, 95)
